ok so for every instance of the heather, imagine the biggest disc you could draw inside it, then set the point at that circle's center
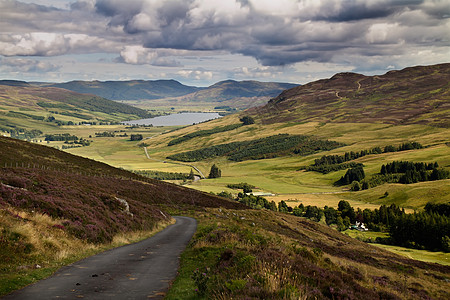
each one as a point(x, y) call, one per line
point(93, 206)
point(56, 208)
point(259, 254)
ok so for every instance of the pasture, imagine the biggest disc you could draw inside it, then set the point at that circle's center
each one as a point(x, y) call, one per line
point(283, 176)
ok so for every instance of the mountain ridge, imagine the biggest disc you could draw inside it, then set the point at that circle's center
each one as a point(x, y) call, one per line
point(129, 90)
point(232, 93)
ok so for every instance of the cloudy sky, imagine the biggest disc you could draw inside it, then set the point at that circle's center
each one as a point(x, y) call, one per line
point(200, 42)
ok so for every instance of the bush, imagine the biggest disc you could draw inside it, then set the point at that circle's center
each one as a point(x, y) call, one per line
point(136, 137)
point(247, 120)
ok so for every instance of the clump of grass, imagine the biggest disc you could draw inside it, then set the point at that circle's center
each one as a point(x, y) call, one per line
point(34, 245)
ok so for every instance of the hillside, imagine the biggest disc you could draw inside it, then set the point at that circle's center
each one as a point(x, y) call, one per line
point(24, 106)
point(413, 108)
point(415, 95)
point(238, 94)
point(172, 95)
point(129, 90)
point(52, 202)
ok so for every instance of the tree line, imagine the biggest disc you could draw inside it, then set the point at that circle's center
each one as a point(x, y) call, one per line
point(21, 133)
point(428, 229)
point(268, 147)
point(331, 163)
point(159, 175)
point(405, 172)
point(415, 172)
point(247, 188)
point(63, 137)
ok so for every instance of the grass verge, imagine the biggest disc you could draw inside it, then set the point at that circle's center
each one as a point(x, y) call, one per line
point(33, 247)
point(258, 254)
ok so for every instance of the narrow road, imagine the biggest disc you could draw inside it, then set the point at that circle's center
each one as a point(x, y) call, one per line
point(174, 163)
point(138, 271)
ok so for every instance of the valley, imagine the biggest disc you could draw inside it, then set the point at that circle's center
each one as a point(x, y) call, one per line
point(366, 122)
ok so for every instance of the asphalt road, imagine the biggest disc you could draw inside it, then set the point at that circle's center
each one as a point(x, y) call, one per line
point(138, 271)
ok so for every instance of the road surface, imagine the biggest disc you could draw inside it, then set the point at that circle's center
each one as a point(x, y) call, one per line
point(138, 271)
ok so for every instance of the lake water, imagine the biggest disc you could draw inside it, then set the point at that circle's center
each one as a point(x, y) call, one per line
point(175, 119)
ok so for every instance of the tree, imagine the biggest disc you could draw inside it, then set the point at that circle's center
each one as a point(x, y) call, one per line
point(215, 172)
point(136, 137)
point(282, 207)
point(191, 175)
point(356, 186)
point(340, 224)
point(346, 211)
point(247, 120)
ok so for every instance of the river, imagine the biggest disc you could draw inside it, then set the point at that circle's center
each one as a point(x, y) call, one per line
point(175, 119)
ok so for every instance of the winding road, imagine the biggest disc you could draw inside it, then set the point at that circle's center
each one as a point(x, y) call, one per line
point(174, 163)
point(138, 271)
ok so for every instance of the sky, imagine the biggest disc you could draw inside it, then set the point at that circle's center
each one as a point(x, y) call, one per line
point(200, 42)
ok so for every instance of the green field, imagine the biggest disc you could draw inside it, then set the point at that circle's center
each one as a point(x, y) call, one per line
point(423, 255)
point(281, 176)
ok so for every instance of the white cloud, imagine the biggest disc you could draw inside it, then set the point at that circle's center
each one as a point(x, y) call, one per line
point(27, 65)
point(138, 55)
point(160, 33)
point(196, 74)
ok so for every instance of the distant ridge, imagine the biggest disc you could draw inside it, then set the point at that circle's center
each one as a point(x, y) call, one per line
point(14, 83)
point(16, 95)
point(231, 89)
point(415, 95)
point(129, 90)
point(172, 89)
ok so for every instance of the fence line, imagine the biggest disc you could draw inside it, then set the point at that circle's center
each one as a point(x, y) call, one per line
point(23, 165)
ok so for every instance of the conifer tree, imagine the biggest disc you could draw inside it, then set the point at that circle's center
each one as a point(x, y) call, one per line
point(215, 172)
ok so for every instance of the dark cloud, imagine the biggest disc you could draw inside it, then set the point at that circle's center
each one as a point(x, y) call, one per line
point(356, 10)
point(274, 33)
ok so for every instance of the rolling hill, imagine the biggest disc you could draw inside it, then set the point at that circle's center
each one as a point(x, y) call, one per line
point(129, 90)
point(237, 94)
point(358, 112)
point(25, 106)
point(164, 94)
point(415, 95)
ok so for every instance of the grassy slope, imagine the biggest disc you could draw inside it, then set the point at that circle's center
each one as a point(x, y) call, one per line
point(361, 111)
point(76, 199)
point(26, 99)
point(417, 95)
point(270, 249)
point(265, 255)
point(282, 176)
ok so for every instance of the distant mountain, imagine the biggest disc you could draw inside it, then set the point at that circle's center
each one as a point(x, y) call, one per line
point(129, 90)
point(14, 83)
point(415, 95)
point(238, 94)
point(230, 89)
